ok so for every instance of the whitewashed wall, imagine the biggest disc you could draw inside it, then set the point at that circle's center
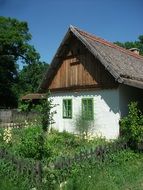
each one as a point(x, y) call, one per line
point(128, 94)
point(106, 111)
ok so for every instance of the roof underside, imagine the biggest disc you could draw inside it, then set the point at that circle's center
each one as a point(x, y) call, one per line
point(34, 96)
point(125, 66)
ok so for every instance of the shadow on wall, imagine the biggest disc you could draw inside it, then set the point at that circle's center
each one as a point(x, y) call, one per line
point(110, 97)
point(128, 94)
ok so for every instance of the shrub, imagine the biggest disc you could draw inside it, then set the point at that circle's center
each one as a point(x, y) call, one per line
point(83, 126)
point(1, 134)
point(46, 112)
point(120, 171)
point(7, 135)
point(11, 180)
point(31, 143)
point(132, 125)
point(62, 143)
point(24, 106)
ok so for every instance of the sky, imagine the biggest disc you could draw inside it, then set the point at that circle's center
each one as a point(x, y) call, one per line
point(49, 20)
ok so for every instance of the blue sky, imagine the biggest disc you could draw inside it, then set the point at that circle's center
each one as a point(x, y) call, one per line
point(113, 20)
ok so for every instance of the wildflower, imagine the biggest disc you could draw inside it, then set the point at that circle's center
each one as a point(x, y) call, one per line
point(51, 165)
point(34, 188)
point(63, 184)
point(26, 124)
point(44, 180)
point(7, 136)
point(45, 168)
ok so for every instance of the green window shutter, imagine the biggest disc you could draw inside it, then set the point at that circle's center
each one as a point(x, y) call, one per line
point(87, 108)
point(67, 108)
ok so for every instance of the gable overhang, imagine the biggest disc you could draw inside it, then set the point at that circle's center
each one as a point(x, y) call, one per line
point(58, 56)
point(54, 63)
point(133, 83)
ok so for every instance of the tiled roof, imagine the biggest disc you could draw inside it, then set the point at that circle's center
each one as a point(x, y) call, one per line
point(125, 66)
point(107, 43)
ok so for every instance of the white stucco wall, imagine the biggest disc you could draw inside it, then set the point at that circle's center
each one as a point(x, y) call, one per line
point(106, 111)
point(128, 94)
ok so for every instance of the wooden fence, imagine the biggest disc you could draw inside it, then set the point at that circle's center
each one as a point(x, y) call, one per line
point(12, 125)
point(99, 153)
point(35, 170)
point(24, 167)
point(16, 119)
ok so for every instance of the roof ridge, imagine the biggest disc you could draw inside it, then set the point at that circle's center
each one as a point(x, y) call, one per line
point(105, 42)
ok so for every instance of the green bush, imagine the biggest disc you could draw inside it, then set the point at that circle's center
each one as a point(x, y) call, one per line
point(122, 170)
point(132, 125)
point(31, 144)
point(61, 143)
point(83, 126)
point(46, 112)
point(1, 135)
point(67, 144)
point(11, 180)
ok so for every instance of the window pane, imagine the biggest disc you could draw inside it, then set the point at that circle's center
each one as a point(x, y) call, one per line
point(87, 108)
point(67, 108)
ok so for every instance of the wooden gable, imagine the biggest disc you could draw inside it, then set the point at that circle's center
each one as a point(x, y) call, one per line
point(79, 69)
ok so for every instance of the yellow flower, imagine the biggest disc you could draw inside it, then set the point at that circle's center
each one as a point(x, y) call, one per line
point(7, 136)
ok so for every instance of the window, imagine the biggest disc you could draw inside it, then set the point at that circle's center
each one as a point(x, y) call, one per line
point(67, 108)
point(87, 108)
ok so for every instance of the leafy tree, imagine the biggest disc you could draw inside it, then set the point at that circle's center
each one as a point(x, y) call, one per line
point(30, 77)
point(8, 77)
point(14, 40)
point(132, 125)
point(137, 44)
point(14, 47)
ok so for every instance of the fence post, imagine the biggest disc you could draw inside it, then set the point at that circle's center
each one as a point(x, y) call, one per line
point(38, 172)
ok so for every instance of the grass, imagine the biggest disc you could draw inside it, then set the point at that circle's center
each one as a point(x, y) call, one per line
point(66, 144)
point(123, 171)
point(7, 184)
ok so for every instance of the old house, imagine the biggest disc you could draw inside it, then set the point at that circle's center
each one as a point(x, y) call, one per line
point(95, 77)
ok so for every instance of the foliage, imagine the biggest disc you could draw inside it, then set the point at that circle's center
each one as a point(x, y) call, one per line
point(8, 77)
point(62, 143)
point(117, 168)
point(44, 108)
point(29, 107)
point(137, 44)
point(7, 135)
point(82, 126)
point(24, 106)
point(46, 112)
point(30, 77)
point(14, 47)
point(121, 171)
point(25, 142)
point(132, 125)
point(14, 40)
point(1, 137)
point(10, 180)
point(30, 144)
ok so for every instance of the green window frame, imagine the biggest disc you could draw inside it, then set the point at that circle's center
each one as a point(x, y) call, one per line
point(87, 108)
point(67, 108)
